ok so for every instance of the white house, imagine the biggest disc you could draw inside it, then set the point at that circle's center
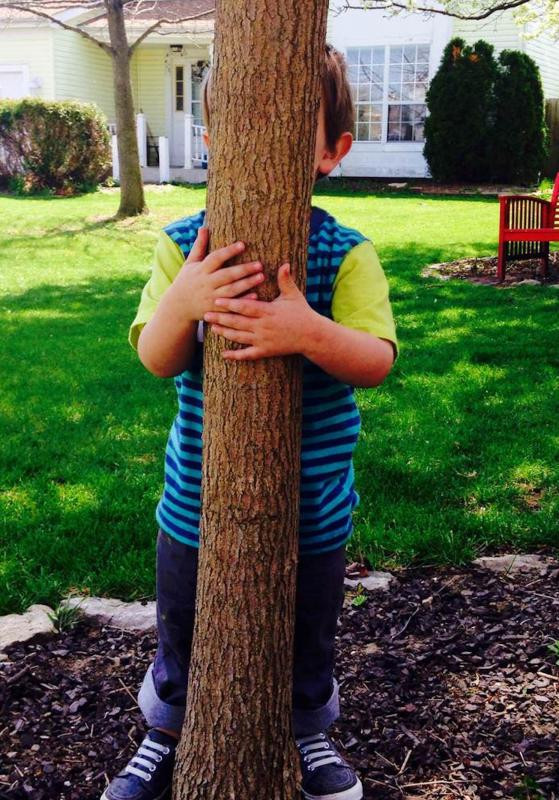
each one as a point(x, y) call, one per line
point(391, 61)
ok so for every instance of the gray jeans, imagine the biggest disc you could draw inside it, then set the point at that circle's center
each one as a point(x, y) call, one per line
point(319, 600)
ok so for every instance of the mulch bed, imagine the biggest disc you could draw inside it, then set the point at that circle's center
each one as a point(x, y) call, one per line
point(449, 690)
point(484, 270)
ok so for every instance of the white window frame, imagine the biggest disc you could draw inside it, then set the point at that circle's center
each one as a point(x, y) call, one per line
point(385, 102)
point(24, 69)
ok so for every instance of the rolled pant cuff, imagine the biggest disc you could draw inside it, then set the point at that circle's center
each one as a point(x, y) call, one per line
point(158, 713)
point(308, 721)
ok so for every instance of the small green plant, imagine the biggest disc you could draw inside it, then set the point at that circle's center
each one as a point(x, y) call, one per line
point(360, 597)
point(528, 790)
point(65, 617)
point(554, 650)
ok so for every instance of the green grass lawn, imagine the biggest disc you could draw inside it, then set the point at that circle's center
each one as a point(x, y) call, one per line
point(459, 451)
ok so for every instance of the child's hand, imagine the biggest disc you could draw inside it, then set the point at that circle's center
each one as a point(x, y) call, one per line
point(278, 328)
point(201, 280)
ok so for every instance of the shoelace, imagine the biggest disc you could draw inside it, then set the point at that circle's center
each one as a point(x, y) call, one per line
point(317, 750)
point(151, 749)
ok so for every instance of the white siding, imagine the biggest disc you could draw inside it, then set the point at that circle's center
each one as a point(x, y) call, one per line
point(30, 47)
point(82, 71)
point(499, 29)
point(151, 85)
point(545, 53)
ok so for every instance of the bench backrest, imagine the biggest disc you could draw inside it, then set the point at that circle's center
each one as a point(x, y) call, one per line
point(554, 210)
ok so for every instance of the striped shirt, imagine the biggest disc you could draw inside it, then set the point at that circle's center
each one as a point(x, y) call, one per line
point(331, 420)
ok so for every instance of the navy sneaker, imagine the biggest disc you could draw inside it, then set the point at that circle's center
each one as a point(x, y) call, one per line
point(326, 775)
point(149, 773)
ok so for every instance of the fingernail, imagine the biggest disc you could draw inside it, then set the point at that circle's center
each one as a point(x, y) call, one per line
point(219, 302)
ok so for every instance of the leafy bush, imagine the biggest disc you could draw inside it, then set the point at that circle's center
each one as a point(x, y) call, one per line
point(461, 107)
point(51, 145)
point(486, 118)
point(520, 135)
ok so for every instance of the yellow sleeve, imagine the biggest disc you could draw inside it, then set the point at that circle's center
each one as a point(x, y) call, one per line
point(166, 266)
point(361, 295)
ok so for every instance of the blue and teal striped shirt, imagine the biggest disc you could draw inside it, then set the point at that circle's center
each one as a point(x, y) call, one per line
point(331, 420)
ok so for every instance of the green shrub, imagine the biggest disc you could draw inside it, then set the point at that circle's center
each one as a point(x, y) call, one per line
point(520, 140)
point(50, 145)
point(460, 101)
point(486, 118)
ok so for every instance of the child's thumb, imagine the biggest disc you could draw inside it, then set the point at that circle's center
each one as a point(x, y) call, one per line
point(285, 281)
point(198, 251)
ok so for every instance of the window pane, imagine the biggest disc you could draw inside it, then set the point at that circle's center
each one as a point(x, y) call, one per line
point(377, 74)
point(365, 56)
point(180, 73)
point(363, 132)
point(376, 91)
point(376, 132)
point(353, 89)
point(352, 55)
point(394, 91)
point(419, 133)
point(395, 74)
point(423, 53)
point(422, 73)
point(353, 74)
point(394, 113)
point(180, 103)
point(394, 130)
point(408, 72)
point(395, 55)
point(365, 74)
point(409, 53)
point(407, 91)
point(378, 55)
point(420, 89)
point(364, 92)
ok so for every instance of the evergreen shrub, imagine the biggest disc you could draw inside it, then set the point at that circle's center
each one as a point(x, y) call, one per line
point(62, 147)
point(520, 141)
point(486, 117)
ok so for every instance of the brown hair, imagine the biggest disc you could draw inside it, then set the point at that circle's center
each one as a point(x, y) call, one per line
point(339, 112)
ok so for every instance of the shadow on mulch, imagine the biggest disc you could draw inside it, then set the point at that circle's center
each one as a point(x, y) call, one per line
point(484, 271)
point(449, 690)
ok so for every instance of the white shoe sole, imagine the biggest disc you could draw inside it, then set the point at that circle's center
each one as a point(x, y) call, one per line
point(159, 796)
point(355, 792)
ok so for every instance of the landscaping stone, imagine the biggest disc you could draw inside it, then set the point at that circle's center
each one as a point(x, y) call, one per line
point(514, 563)
point(20, 627)
point(134, 616)
point(373, 581)
point(529, 282)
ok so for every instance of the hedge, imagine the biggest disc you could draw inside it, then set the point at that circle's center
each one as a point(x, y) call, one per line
point(51, 145)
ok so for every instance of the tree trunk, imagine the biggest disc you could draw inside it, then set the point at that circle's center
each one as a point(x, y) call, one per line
point(131, 187)
point(237, 739)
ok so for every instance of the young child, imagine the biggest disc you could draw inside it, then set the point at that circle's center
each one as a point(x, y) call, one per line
point(344, 329)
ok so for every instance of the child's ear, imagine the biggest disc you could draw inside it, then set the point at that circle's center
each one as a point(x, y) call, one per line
point(331, 159)
point(206, 138)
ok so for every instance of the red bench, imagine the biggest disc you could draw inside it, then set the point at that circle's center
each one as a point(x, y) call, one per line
point(527, 225)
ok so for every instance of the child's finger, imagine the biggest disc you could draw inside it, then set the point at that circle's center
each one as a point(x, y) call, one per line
point(200, 247)
point(218, 258)
point(237, 288)
point(227, 275)
point(248, 308)
point(246, 354)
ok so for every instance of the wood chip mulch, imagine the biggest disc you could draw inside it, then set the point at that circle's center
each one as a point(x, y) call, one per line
point(449, 690)
point(483, 270)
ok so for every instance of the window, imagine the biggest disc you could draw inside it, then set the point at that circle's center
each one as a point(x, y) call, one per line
point(366, 77)
point(388, 86)
point(179, 88)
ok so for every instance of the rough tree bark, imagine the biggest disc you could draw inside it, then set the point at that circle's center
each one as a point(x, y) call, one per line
point(132, 199)
point(237, 740)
